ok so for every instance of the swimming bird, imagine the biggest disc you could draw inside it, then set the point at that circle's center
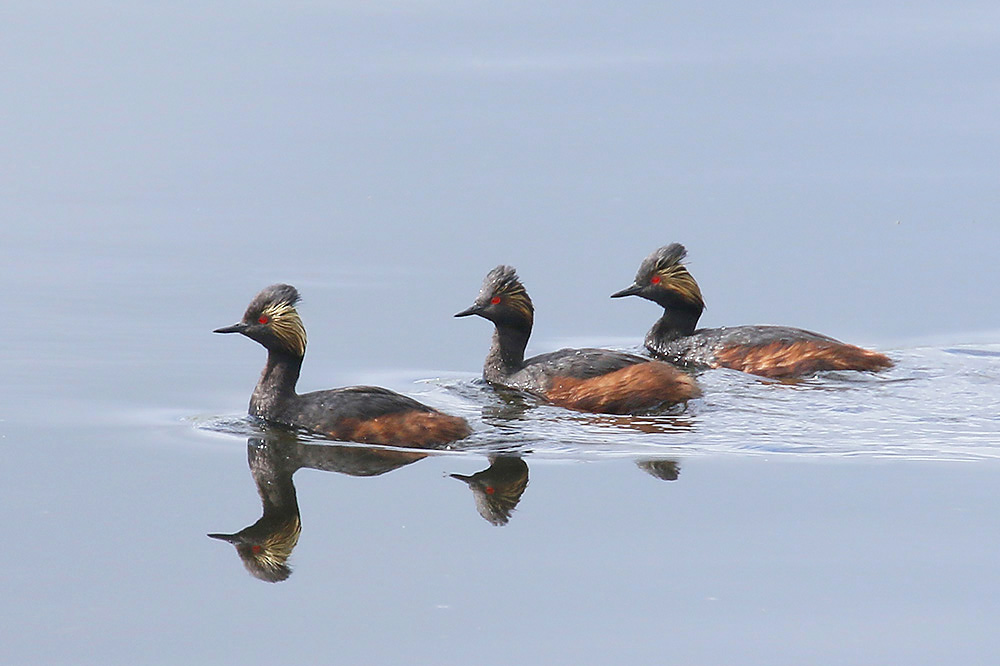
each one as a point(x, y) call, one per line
point(367, 414)
point(768, 351)
point(592, 380)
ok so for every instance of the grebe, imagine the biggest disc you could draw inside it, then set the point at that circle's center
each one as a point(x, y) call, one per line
point(768, 351)
point(592, 380)
point(367, 414)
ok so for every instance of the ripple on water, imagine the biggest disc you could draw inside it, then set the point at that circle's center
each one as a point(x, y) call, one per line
point(936, 403)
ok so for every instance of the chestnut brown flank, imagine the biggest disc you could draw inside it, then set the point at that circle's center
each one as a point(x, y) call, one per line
point(793, 359)
point(635, 388)
point(411, 428)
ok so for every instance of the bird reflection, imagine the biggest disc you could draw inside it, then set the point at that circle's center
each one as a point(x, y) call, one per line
point(665, 468)
point(498, 488)
point(265, 546)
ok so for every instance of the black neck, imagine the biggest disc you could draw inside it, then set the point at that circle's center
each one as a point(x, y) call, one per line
point(276, 384)
point(507, 352)
point(676, 322)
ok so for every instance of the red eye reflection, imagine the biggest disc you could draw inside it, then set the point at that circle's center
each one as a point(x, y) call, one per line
point(495, 300)
point(655, 279)
point(255, 549)
point(263, 319)
point(490, 490)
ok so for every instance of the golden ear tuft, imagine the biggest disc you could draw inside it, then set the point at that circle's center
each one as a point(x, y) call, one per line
point(503, 281)
point(666, 263)
point(284, 320)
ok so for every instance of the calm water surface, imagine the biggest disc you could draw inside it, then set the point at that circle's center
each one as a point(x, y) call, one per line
point(842, 518)
point(828, 167)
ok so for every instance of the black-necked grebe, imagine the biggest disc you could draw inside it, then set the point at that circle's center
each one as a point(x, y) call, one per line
point(590, 380)
point(367, 414)
point(768, 351)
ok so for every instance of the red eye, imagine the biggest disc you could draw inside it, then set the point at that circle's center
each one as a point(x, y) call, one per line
point(495, 300)
point(263, 319)
point(655, 279)
point(255, 549)
point(490, 490)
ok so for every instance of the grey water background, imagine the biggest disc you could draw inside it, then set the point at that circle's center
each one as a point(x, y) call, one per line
point(828, 167)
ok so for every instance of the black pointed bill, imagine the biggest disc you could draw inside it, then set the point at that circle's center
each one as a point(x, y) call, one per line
point(231, 538)
point(475, 309)
point(235, 328)
point(627, 291)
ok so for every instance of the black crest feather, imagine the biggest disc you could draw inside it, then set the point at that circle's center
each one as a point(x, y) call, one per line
point(276, 295)
point(503, 281)
point(660, 259)
point(500, 281)
point(667, 262)
point(277, 305)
